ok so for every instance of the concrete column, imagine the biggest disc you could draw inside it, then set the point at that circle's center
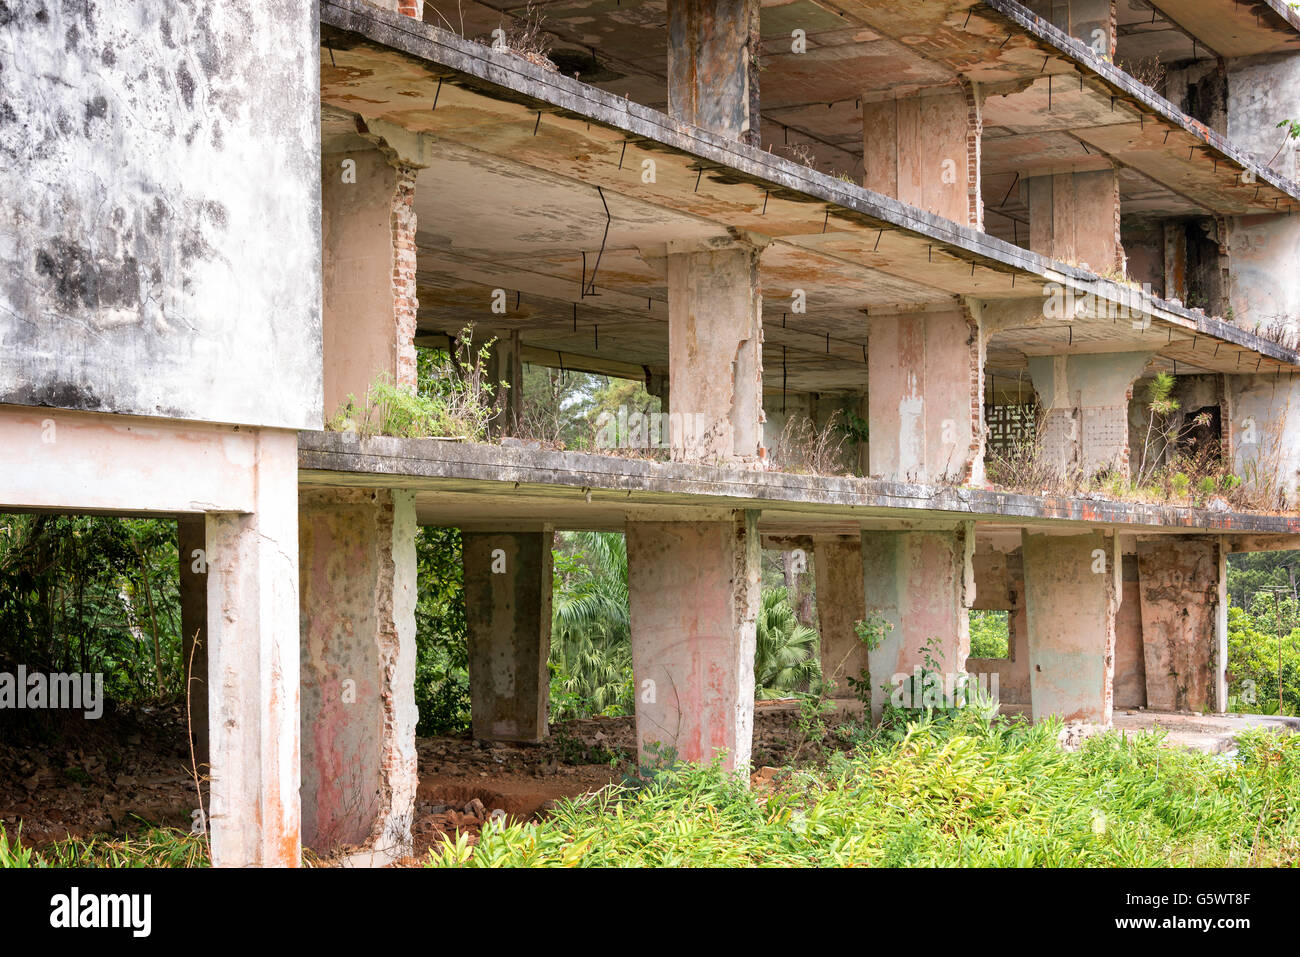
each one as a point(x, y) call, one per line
point(923, 583)
point(1074, 218)
point(368, 235)
point(505, 365)
point(713, 51)
point(924, 149)
point(1072, 593)
point(192, 548)
point(694, 590)
point(508, 613)
point(357, 554)
point(925, 397)
point(841, 604)
point(1085, 399)
point(1263, 248)
point(1262, 434)
point(715, 320)
point(1091, 22)
point(1183, 597)
point(253, 689)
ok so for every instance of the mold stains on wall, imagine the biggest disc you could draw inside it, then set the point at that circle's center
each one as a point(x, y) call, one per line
point(159, 209)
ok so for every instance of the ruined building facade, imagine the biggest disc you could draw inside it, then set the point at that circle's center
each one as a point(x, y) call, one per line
point(949, 218)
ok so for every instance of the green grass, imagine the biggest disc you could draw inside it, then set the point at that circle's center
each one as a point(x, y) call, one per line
point(155, 847)
point(949, 794)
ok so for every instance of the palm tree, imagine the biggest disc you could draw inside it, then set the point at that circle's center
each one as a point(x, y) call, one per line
point(787, 657)
point(591, 648)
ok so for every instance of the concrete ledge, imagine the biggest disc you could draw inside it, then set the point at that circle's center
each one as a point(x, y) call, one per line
point(340, 458)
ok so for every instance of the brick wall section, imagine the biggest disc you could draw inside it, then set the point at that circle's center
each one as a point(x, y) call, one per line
point(405, 302)
point(415, 8)
point(974, 473)
point(974, 135)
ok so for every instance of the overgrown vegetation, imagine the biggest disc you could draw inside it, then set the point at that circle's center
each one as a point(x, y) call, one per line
point(454, 397)
point(950, 792)
point(1178, 462)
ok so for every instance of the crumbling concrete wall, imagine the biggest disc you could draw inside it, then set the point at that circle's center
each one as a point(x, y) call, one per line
point(1072, 592)
point(841, 604)
point(357, 559)
point(1075, 217)
point(1183, 586)
point(1262, 434)
point(160, 209)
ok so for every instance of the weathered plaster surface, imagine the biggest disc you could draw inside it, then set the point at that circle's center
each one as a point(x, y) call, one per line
point(357, 561)
point(1181, 591)
point(1072, 592)
point(841, 604)
point(693, 592)
point(159, 209)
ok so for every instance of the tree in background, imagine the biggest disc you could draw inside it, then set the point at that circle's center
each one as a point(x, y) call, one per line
point(787, 658)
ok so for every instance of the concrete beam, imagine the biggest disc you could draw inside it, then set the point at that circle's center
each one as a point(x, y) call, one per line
point(1184, 606)
point(508, 613)
point(357, 555)
point(694, 591)
point(713, 50)
point(923, 584)
point(1072, 594)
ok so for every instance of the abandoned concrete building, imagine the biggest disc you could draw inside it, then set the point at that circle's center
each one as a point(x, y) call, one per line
point(958, 220)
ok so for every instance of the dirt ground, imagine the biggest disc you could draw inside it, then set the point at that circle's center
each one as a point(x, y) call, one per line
point(131, 769)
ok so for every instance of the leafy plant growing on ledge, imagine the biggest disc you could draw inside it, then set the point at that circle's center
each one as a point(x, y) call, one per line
point(453, 399)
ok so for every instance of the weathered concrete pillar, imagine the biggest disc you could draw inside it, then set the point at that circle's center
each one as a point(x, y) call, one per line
point(368, 235)
point(1072, 593)
point(924, 149)
point(357, 555)
point(925, 397)
point(923, 583)
point(253, 689)
point(1085, 399)
point(1262, 435)
point(192, 549)
point(841, 604)
point(1263, 248)
point(1074, 218)
point(504, 365)
point(694, 590)
point(1091, 22)
point(713, 50)
point(508, 614)
point(715, 323)
point(1184, 622)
